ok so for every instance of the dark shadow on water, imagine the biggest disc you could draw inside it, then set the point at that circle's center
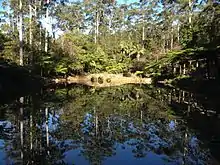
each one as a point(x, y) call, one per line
point(16, 81)
point(199, 105)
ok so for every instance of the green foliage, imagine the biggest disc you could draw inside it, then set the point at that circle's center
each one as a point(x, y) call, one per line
point(131, 49)
point(204, 31)
point(139, 73)
point(61, 68)
point(9, 49)
point(81, 56)
point(163, 68)
point(2, 40)
point(102, 36)
point(186, 35)
point(118, 66)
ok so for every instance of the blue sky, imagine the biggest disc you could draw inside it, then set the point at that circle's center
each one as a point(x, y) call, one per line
point(127, 1)
point(119, 1)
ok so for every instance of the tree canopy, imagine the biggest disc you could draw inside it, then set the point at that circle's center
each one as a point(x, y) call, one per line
point(76, 37)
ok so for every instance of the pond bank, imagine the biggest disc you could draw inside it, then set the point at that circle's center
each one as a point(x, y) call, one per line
point(104, 80)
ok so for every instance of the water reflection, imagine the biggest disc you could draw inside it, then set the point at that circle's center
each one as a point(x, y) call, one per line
point(83, 125)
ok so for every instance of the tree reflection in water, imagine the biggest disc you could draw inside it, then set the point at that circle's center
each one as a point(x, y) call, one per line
point(83, 125)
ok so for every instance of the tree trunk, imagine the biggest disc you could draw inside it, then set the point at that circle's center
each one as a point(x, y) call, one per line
point(40, 43)
point(21, 127)
point(35, 8)
point(31, 131)
point(141, 116)
point(190, 13)
point(143, 29)
point(138, 57)
point(30, 31)
point(190, 67)
point(183, 96)
point(46, 30)
point(174, 69)
point(123, 24)
point(95, 37)
point(197, 64)
point(185, 148)
point(171, 38)
point(170, 97)
point(178, 32)
point(20, 33)
point(30, 22)
point(184, 69)
point(143, 34)
point(164, 43)
point(97, 27)
point(12, 23)
point(47, 128)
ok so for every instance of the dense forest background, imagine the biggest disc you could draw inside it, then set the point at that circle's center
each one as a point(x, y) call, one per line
point(57, 38)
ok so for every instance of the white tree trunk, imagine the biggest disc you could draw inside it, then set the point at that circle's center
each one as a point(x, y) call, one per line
point(141, 116)
point(35, 8)
point(21, 127)
point(20, 33)
point(47, 128)
point(31, 131)
point(184, 69)
point(178, 32)
point(143, 28)
point(190, 13)
point(30, 31)
point(143, 33)
point(164, 43)
point(171, 39)
point(40, 43)
point(96, 125)
point(30, 23)
point(46, 31)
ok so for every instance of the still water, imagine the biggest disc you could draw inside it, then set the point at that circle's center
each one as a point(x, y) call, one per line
point(130, 124)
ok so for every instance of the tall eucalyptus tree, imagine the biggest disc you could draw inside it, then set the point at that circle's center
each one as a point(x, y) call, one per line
point(21, 32)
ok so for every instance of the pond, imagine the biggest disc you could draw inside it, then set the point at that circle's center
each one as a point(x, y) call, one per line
point(128, 124)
